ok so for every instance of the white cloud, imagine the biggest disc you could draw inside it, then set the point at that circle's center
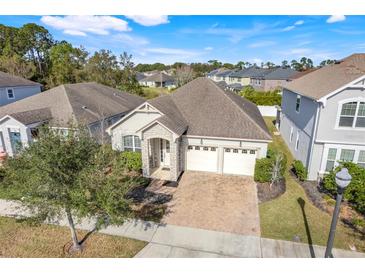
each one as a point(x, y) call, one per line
point(299, 22)
point(172, 51)
point(261, 44)
point(130, 40)
point(149, 20)
point(336, 18)
point(208, 48)
point(81, 25)
point(74, 32)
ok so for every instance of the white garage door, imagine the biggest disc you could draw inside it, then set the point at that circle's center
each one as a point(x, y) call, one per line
point(202, 158)
point(239, 161)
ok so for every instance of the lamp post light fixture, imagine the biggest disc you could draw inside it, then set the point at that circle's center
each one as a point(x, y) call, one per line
point(343, 179)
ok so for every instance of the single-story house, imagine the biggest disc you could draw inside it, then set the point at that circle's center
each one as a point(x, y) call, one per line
point(90, 104)
point(14, 88)
point(158, 80)
point(199, 127)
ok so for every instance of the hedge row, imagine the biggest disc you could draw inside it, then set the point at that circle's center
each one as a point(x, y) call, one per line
point(271, 98)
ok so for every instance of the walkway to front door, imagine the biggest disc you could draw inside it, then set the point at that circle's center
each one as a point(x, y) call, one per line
point(215, 202)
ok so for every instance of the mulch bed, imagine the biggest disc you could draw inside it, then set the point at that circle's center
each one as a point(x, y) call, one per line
point(266, 193)
point(315, 194)
point(312, 190)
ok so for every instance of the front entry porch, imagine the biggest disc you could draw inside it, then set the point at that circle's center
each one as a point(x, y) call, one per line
point(160, 159)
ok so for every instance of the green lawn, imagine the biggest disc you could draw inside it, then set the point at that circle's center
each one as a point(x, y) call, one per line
point(283, 218)
point(22, 240)
point(150, 92)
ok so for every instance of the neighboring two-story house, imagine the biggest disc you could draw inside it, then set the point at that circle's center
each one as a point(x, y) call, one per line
point(14, 88)
point(90, 104)
point(323, 116)
point(271, 79)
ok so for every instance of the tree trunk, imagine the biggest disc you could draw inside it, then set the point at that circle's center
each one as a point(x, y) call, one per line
point(76, 244)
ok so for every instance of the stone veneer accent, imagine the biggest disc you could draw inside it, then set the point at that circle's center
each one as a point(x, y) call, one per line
point(158, 131)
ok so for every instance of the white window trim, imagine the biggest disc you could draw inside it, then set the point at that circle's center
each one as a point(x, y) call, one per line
point(291, 134)
point(300, 102)
point(7, 93)
point(339, 147)
point(133, 147)
point(297, 141)
point(339, 109)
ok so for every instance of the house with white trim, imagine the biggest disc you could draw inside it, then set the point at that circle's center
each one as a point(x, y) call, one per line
point(322, 116)
point(199, 127)
point(14, 88)
point(86, 104)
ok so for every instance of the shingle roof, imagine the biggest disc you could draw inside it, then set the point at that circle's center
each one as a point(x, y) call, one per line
point(172, 119)
point(210, 111)
point(280, 74)
point(325, 80)
point(8, 80)
point(84, 103)
point(224, 73)
point(251, 72)
point(158, 77)
point(33, 116)
point(213, 72)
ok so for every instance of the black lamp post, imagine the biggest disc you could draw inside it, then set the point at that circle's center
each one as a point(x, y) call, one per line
point(343, 179)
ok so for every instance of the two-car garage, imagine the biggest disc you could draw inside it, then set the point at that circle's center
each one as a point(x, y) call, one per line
point(236, 161)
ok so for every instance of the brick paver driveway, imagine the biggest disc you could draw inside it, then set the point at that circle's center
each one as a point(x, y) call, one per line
point(215, 202)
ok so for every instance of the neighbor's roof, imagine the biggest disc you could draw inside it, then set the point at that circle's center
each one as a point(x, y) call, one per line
point(213, 72)
point(325, 80)
point(84, 103)
point(224, 73)
point(158, 77)
point(8, 80)
point(251, 72)
point(202, 108)
point(280, 74)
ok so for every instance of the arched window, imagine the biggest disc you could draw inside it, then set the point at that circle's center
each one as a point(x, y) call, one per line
point(131, 143)
point(352, 115)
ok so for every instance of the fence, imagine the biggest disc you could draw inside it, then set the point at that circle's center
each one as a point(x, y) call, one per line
point(268, 110)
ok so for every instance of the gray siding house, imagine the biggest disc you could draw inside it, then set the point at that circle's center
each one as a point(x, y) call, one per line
point(322, 116)
point(14, 88)
point(90, 104)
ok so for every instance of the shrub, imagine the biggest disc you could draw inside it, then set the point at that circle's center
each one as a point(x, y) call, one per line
point(263, 170)
point(264, 167)
point(300, 170)
point(131, 161)
point(355, 192)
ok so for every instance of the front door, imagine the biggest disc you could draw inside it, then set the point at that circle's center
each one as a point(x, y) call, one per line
point(16, 143)
point(165, 153)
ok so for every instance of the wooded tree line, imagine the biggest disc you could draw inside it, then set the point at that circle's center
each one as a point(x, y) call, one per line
point(31, 52)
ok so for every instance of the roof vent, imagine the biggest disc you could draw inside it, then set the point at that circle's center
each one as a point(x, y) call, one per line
point(338, 62)
point(84, 107)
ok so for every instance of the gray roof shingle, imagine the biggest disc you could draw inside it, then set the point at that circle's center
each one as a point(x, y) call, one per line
point(323, 81)
point(8, 80)
point(83, 103)
point(158, 77)
point(280, 74)
point(203, 108)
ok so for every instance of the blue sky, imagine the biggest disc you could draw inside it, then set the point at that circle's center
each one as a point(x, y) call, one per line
point(168, 39)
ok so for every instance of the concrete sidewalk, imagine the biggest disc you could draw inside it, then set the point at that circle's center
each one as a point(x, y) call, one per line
point(170, 241)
